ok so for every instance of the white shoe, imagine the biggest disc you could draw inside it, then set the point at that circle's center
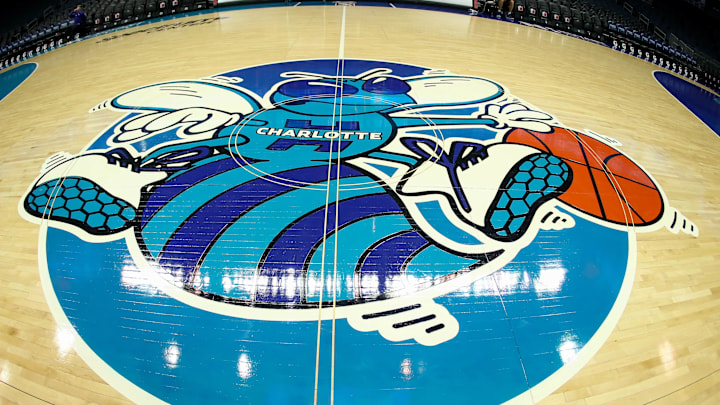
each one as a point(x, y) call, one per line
point(88, 191)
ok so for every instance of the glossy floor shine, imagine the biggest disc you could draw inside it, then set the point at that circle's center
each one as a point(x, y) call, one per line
point(355, 205)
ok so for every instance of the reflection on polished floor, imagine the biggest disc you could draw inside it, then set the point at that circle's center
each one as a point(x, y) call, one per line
point(347, 205)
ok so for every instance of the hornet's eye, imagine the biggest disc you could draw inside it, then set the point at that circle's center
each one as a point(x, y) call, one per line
point(386, 85)
point(315, 88)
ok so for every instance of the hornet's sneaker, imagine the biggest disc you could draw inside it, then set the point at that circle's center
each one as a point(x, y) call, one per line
point(494, 189)
point(96, 192)
point(532, 181)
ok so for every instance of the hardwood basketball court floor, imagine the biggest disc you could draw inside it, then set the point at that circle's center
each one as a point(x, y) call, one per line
point(352, 205)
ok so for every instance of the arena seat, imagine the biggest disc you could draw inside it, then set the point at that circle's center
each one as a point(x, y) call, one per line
point(520, 10)
point(151, 9)
point(543, 12)
point(186, 5)
point(586, 21)
point(117, 13)
point(555, 19)
point(566, 17)
point(577, 23)
point(139, 11)
point(532, 11)
point(129, 11)
point(596, 27)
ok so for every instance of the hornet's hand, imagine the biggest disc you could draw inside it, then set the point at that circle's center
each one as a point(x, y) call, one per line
point(195, 122)
point(515, 115)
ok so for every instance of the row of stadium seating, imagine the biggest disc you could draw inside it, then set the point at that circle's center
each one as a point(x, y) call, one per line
point(105, 14)
point(54, 26)
point(564, 15)
point(46, 25)
point(617, 23)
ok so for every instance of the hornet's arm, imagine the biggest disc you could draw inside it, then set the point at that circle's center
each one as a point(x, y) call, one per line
point(496, 116)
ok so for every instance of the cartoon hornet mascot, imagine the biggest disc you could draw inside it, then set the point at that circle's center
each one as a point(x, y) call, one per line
point(474, 171)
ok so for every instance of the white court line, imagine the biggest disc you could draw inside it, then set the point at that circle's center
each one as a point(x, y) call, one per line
point(341, 61)
point(338, 81)
point(341, 51)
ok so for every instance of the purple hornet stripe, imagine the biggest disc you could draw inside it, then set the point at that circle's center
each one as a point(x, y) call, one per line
point(384, 262)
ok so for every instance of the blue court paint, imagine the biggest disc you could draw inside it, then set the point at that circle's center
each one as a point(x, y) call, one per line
point(12, 79)
point(701, 102)
point(519, 325)
point(242, 234)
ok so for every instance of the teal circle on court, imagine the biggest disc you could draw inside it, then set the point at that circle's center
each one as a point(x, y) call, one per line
point(13, 78)
point(213, 294)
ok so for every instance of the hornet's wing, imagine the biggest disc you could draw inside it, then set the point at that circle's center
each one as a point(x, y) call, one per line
point(178, 95)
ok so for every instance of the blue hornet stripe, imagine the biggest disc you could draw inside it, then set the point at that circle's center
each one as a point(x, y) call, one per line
point(186, 247)
point(171, 188)
point(295, 245)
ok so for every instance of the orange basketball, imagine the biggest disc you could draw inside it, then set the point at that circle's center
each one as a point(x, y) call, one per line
point(606, 184)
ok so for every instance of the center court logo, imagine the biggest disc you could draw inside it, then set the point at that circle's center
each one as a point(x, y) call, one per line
point(419, 205)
